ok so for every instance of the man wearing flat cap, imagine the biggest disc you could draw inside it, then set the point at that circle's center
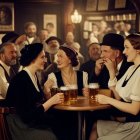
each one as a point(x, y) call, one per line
point(111, 48)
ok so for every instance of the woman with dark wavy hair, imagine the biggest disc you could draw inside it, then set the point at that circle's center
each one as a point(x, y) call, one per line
point(66, 61)
point(32, 120)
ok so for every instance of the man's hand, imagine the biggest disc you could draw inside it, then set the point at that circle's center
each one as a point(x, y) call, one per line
point(98, 66)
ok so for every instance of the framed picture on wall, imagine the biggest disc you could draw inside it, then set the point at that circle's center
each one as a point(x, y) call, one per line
point(50, 23)
point(6, 17)
point(103, 5)
point(120, 3)
point(91, 5)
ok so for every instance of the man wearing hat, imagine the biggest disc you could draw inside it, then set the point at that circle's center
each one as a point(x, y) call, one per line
point(8, 56)
point(10, 37)
point(53, 44)
point(111, 48)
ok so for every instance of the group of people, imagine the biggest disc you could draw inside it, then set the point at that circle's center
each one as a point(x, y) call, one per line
point(98, 30)
point(124, 125)
point(114, 64)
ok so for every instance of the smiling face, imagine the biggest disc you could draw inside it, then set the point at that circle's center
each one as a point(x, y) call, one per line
point(62, 59)
point(53, 44)
point(94, 51)
point(31, 31)
point(9, 55)
point(129, 51)
point(39, 62)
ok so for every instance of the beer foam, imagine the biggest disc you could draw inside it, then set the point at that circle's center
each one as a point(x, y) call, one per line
point(64, 88)
point(54, 86)
point(93, 85)
point(73, 86)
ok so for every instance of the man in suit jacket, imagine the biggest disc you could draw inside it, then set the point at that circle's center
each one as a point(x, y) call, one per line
point(94, 54)
point(53, 44)
point(30, 36)
point(112, 48)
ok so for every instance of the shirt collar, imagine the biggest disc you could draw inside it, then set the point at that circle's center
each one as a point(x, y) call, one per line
point(30, 39)
point(119, 65)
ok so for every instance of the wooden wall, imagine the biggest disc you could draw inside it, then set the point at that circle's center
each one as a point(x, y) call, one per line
point(26, 11)
point(33, 10)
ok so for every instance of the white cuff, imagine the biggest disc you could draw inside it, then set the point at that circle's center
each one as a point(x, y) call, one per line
point(112, 83)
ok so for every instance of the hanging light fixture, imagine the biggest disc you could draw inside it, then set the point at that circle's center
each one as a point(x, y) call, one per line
point(76, 18)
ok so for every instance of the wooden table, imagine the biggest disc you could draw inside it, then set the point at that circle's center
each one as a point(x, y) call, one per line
point(83, 104)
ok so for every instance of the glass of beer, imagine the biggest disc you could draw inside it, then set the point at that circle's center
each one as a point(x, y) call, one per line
point(54, 90)
point(65, 91)
point(93, 90)
point(73, 89)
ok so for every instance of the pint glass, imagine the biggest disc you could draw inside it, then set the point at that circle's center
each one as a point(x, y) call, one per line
point(65, 91)
point(93, 90)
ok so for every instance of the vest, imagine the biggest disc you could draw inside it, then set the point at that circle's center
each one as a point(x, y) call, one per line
point(12, 74)
point(79, 81)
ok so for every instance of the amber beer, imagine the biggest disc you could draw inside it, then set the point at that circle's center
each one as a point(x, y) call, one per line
point(54, 90)
point(93, 90)
point(66, 92)
point(73, 92)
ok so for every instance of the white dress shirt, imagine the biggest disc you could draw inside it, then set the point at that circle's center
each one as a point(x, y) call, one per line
point(3, 81)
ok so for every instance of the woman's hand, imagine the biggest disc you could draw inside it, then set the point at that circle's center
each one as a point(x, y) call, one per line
point(102, 99)
point(47, 87)
point(57, 98)
point(49, 83)
point(86, 92)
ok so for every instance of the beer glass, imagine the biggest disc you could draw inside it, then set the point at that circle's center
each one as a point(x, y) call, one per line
point(54, 90)
point(65, 91)
point(93, 90)
point(73, 89)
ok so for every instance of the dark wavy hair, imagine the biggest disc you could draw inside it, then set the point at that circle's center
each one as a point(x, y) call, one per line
point(71, 54)
point(29, 53)
point(134, 40)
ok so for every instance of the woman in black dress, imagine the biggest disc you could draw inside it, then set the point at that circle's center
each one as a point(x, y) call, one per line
point(32, 120)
